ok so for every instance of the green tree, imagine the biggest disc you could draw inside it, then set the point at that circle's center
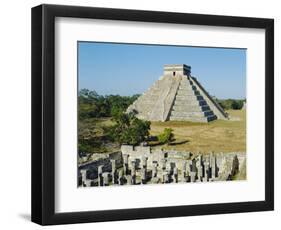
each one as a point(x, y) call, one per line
point(166, 137)
point(129, 129)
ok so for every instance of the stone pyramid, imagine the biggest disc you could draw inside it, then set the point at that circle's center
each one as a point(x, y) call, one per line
point(177, 96)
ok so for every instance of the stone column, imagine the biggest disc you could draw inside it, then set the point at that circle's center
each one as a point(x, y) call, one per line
point(129, 179)
point(125, 163)
point(84, 176)
point(171, 168)
point(133, 171)
point(200, 169)
point(100, 178)
point(88, 183)
point(188, 167)
point(193, 167)
point(175, 174)
point(165, 178)
point(113, 171)
point(206, 171)
point(214, 166)
point(120, 177)
point(223, 165)
point(163, 163)
point(183, 171)
point(154, 169)
point(200, 159)
point(187, 170)
point(192, 176)
point(144, 162)
point(105, 179)
point(143, 175)
point(235, 165)
point(200, 173)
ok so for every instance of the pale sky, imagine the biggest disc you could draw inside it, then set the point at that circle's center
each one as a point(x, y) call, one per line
point(127, 69)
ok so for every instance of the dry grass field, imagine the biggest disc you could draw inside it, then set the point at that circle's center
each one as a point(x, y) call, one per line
point(217, 136)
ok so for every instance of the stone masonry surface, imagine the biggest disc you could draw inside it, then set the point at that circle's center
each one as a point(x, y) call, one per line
point(141, 165)
point(177, 96)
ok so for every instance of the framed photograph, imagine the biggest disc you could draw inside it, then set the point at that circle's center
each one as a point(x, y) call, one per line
point(143, 114)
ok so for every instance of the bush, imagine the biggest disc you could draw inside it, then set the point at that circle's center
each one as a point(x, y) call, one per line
point(166, 137)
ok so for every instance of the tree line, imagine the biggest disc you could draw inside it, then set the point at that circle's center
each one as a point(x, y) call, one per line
point(93, 105)
point(228, 104)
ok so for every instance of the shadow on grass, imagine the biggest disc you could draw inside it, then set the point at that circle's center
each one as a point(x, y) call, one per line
point(179, 142)
point(173, 143)
point(155, 143)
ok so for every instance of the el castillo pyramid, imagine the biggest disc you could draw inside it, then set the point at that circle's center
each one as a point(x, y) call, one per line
point(177, 96)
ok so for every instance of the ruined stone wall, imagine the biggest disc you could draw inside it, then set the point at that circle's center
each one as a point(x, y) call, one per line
point(103, 160)
point(142, 165)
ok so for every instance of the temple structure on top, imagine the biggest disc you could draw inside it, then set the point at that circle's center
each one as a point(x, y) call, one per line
point(177, 96)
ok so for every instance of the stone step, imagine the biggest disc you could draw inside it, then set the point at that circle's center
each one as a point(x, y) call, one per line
point(152, 96)
point(190, 108)
point(191, 102)
point(144, 107)
point(193, 119)
point(153, 90)
point(144, 102)
point(143, 116)
point(187, 87)
point(187, 92)
point(190, 114)
point(186, 81)
point(189, 97)
point(211, 117)
point(147, 97)
point(184, 84)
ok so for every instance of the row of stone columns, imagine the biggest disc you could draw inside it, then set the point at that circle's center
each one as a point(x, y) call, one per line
point(193, 170)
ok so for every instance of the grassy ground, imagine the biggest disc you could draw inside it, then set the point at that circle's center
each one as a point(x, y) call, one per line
point(218, 136)
point(92, 136)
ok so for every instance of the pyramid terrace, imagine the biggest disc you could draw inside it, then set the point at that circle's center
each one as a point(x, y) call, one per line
point(177, 96)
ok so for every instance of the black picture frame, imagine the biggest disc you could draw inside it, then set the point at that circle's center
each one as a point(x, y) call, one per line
point(43, 114)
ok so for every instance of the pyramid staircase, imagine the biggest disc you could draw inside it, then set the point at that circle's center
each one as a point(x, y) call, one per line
point(189, 105)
